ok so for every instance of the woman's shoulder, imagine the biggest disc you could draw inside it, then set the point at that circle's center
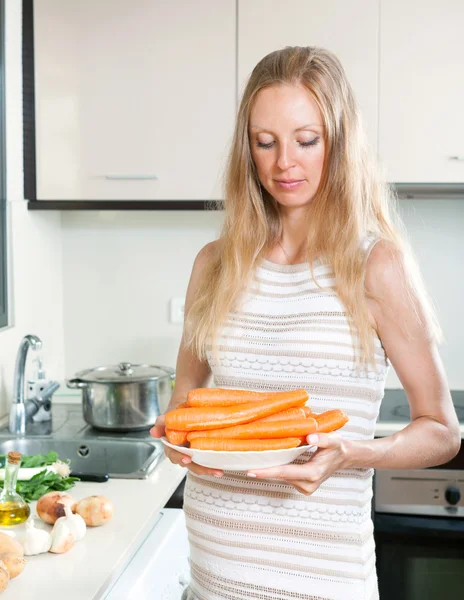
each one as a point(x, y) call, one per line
point(385, 267)
point(208, 253)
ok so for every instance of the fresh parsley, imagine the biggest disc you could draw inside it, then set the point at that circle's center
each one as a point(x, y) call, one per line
point(44, 481)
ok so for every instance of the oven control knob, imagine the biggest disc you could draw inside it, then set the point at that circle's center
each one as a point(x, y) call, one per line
point(452, 495)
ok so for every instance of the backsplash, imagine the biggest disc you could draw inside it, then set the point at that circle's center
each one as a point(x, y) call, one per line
point(120, 271)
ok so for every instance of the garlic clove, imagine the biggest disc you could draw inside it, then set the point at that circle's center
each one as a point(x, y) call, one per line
point(62, 538)
point(75, 523)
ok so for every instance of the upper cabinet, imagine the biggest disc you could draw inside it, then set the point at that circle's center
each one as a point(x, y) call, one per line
point(134, 100)
point(349, 29)
point(421, 116)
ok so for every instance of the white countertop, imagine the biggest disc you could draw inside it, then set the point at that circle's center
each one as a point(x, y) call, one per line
point(88, 570)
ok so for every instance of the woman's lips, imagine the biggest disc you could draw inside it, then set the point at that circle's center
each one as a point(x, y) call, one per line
point(290, 185)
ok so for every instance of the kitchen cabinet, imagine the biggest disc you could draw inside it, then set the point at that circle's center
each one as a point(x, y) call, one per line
point(134, 100)
point(421, 121)
point(349, 29)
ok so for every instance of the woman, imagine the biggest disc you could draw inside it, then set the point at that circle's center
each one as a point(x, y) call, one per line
point(310, 285)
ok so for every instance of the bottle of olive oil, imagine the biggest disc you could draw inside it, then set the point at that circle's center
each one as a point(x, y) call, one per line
point(13, 509)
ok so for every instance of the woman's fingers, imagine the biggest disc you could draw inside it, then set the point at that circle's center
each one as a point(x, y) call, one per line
point(178, 458)
point(158, 429)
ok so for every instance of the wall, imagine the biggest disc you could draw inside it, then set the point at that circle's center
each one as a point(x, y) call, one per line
point(34, 240)
point(120, 271)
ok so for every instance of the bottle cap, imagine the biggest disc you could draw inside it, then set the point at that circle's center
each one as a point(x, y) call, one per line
point(14, 457)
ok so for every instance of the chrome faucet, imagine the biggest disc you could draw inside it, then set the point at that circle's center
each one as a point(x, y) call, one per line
point(21, 411)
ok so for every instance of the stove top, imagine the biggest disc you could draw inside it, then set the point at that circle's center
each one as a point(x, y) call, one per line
point(395, 407)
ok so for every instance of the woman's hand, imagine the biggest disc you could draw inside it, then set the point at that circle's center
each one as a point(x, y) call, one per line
point(158, 430)
point(330, 456)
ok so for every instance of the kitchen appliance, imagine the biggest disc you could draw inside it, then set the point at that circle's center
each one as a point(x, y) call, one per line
point(124, 397)
point(160, 568)
point(419, 520)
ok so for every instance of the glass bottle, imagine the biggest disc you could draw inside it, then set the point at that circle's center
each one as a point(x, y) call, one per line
point(13, 509)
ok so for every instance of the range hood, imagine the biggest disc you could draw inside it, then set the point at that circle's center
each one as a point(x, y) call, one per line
point(430, 190)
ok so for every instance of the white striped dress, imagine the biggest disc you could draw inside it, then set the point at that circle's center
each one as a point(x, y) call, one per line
point(261, 539)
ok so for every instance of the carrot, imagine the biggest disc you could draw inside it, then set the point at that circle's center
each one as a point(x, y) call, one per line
point(244, 445)
point(176, 437)
point(301, 412)
point(330, 420)
point(260, 430)
point(223, 397)
point(183, 405)
point(197, 418)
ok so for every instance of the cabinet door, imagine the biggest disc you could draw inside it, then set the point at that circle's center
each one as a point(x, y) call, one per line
point(421, 127)
point(348, 29)
point(135, 100)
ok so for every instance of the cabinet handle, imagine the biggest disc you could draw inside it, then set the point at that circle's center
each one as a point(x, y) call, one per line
point(131, 177)
point(459, 158)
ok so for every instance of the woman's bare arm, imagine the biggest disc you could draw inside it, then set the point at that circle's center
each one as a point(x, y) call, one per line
point(433, 436)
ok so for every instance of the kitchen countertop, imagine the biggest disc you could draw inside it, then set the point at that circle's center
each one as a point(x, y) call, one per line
point(91, 567)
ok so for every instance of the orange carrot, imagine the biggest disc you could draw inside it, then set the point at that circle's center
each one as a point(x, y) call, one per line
point(223, 397)
point(300, 412)
point(198, 418)
point(330, 420)
point(244, 445)
point(260, 430)
point(176, 437)
point(183, 405)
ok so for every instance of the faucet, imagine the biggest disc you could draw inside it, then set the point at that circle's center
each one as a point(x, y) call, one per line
point(21, 411)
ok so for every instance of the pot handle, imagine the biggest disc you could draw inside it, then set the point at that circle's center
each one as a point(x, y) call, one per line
point(76, 383)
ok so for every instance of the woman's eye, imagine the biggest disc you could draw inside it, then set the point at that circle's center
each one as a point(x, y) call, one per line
point(266, 146)
point(303, 144)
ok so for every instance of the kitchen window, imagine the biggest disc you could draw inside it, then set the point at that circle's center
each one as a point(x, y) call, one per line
point(3, 241)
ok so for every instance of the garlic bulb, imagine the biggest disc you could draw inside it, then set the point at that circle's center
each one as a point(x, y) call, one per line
point(35, 541)
point(62, 538)
point(95, 510)
point(75, 523)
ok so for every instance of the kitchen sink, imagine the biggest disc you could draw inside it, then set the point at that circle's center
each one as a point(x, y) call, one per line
point(124, 459)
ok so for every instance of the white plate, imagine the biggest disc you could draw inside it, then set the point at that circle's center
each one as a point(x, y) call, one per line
point(241, 461)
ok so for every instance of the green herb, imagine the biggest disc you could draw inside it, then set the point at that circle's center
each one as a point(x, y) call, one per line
point(36, 460)
point(42, 483)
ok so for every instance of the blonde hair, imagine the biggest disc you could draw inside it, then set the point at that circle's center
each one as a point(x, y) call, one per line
point(351, 202)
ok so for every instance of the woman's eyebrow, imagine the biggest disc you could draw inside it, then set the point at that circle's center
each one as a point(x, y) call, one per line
point(309, 126)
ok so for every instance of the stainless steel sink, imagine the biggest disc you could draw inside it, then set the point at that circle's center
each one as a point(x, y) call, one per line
point(124, 459)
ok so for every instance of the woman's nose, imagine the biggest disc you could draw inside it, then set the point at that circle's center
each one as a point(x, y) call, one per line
point(285, 160)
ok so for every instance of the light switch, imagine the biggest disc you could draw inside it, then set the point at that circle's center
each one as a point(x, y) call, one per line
point(177, 311)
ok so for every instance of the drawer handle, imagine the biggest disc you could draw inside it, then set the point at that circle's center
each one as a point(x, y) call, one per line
point(459, 158)
point(131, 177)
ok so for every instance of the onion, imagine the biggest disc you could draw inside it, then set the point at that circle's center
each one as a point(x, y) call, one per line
point(50, 507)
point(14, 563)
point(95, 510)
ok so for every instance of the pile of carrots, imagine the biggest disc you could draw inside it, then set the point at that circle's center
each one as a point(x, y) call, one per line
point(220, 419)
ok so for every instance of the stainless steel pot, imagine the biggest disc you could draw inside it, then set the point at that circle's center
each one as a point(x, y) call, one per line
point(124, 397)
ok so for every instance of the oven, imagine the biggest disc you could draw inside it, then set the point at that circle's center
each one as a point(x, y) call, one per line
point(419, 531)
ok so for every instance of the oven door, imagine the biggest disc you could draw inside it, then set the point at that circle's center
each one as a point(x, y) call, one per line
point(419, 557)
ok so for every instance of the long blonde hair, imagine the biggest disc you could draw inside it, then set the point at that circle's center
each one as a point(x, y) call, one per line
point(351, 202)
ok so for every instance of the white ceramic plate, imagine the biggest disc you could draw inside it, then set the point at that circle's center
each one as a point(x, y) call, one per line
point(241, 461)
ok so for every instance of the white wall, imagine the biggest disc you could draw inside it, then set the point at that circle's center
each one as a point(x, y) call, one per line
point(34, 240)
point(120, 271)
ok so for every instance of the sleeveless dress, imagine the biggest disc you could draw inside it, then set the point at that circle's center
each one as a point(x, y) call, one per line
point(262, 539)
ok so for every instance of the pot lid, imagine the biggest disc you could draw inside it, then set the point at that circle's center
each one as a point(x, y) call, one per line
point(125, 372)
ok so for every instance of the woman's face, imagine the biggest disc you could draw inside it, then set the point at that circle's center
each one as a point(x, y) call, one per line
point(287, 143)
